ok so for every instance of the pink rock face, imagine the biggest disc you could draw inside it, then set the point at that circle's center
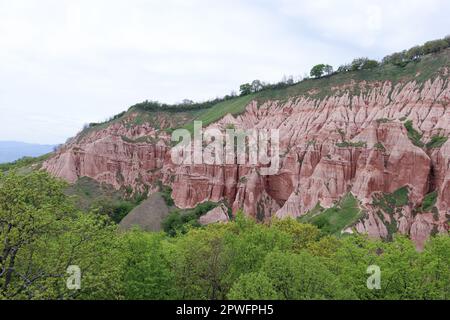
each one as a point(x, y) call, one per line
point(216, 215)
point(329, 147)
point(111, 156)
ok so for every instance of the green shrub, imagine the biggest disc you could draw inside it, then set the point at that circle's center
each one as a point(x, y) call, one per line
point(23, 162)
point(347, 144)
point(436, 142)
point(179, 221)
point(166, 193)
point(337, 218)
point(429, 201)
point(414, 135)
point(380, 146)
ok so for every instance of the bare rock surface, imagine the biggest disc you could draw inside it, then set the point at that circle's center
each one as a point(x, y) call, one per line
point(216, 215)
point(147, 216)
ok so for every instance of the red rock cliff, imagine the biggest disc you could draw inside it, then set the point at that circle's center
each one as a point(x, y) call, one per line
point(330, 147)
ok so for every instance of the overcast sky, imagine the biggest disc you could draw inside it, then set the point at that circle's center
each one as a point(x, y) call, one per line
point(66, 63)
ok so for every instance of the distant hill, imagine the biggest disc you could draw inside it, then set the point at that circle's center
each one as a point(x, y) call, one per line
point(13, 150)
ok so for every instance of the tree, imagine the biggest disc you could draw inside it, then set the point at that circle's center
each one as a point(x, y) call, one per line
point(199, 264)
point(357, 64)
point(328, 70)
point(42, 234)
point(434, 269)
point(301, 277)
point(370, 64)
point(256, 86)
point(318, 71)
point(397, 59)
point(302, 234)
point(434, 46)
point(245, 89)
point(447, 39)
point(344, 68)
point(289, 80)
point(253, 286)
point(147, 273)
point(187, 102)
point(414, 53)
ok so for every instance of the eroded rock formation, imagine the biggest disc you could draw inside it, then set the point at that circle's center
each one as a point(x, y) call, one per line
point(342, 143)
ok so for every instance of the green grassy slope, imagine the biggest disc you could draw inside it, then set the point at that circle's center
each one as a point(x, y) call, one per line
point(337, 218)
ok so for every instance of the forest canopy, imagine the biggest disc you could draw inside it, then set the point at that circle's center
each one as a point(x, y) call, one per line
point(42, 234)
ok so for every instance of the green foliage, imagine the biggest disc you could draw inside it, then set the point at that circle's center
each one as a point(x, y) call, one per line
point(361, 64)
point(397, 59)
point(370, 64)
point(147, 273)
point(320, 70)
point(155, 106)
point(414, 135)
point(103, 199)
point(434, 46)
point(429, 201)
point(234, 106)
point(337, 218)
point(401, 59)
point(245, 89)
point(380, 146)
point(253, 286)
point(414, 53)
point(301, 277)
point(41, 233)
point(23, 162)
point(389, 202)
point(383, 120)
point(116, 211)
point(179, 221)
point(436, 142)
point(166, 193)
point(249, 88)
point(302, 234)
point(317, 71)
point(347, 144)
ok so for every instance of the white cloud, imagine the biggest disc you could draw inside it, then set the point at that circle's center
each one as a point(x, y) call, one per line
point(73, 62)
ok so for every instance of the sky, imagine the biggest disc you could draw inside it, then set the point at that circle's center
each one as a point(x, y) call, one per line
point(65, 63)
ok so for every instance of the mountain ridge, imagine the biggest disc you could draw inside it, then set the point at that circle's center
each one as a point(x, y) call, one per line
point(14, 150)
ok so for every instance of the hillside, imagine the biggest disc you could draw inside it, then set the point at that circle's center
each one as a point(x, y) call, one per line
point(366, 134)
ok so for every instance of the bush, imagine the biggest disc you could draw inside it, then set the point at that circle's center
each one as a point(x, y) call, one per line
point(415, 53)
point(348, 144)
point(379, 146)
point(436, 142)
point(447, 39)
point(414, 135)
point(429, 201)
point(358, 63)
point(166, 193)
point(370, 64)
point(180, 221)
point(318, 71)
point(344, 68)
point(116, 211)
point(253, 286)
point(434, 46)
point(401, 59)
